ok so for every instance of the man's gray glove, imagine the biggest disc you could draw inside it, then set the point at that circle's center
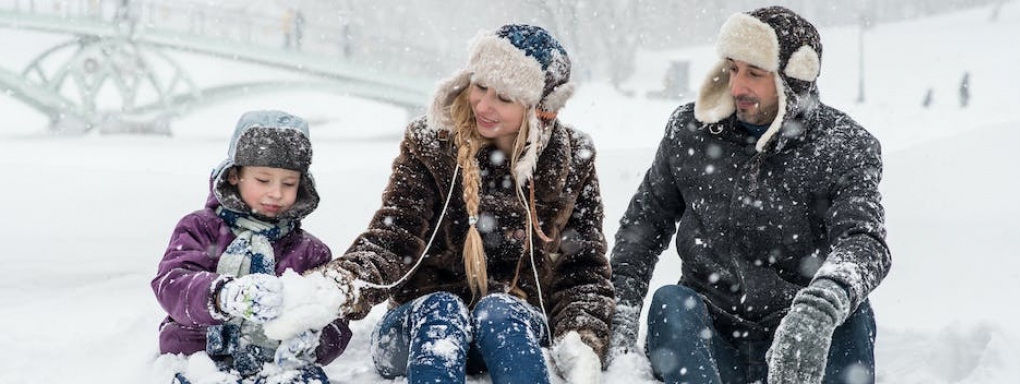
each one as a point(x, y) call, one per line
point(623, 339)
point(800, 347)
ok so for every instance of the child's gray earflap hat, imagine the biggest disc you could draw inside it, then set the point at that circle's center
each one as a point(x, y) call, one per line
point(775, 39)
point(272, 139)
point(521, 62)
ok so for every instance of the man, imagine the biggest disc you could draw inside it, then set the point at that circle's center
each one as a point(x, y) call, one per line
point(774, 199)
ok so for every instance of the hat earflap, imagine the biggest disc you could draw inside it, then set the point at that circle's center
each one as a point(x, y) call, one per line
point(556, 99)
point(777, 123)
point(225, 192)
point(439, 114)
point(714, 102)
point(804, 64)
point(538, 136)
point(540, 122)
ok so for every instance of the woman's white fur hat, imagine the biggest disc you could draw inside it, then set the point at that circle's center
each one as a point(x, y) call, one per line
point(524, 63)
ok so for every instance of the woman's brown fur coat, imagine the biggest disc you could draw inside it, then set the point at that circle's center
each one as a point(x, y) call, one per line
point(573, 269)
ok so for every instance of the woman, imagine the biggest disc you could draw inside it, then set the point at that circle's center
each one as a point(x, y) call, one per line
point(517, 262)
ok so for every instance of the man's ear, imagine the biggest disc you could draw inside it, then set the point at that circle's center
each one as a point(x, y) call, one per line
point(234, 175)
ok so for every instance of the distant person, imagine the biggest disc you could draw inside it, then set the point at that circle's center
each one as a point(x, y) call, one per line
point(488, 245)
point(965, 90)
point(218, 278)
point(287, 26)
point(123, 12)
point(293, 24)
point(345, 40)
point(298, 27)
point(773, 198)
point(929, 97)
point(126, 15)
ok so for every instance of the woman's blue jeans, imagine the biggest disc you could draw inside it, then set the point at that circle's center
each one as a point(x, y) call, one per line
point(684, 347)
point(437, 339)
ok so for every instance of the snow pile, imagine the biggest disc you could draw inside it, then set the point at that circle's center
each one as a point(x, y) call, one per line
point(202, 370)
point(199, 368)
point(958, 353)
point(631, 368)
point(576, 361)
point(309, 302)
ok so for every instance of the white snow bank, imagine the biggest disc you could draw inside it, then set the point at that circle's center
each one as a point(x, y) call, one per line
point(576, 361)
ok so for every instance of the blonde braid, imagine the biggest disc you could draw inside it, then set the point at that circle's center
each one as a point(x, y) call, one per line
point(468, 144)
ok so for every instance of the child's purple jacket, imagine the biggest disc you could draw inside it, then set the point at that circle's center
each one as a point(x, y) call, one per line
point(186, 280)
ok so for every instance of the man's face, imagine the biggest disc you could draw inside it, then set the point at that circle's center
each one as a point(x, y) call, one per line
point(754, 93)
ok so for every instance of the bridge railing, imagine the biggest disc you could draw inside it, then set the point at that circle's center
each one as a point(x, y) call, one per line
point(68, 82)
point(267, 26)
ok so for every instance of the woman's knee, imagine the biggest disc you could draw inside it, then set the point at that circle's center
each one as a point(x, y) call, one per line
point(390, 343)
point(401, 327)
point(502, 312)
point(441, 304)
point(497, 306)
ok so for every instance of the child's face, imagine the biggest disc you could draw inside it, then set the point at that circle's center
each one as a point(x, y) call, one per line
point(267, 191)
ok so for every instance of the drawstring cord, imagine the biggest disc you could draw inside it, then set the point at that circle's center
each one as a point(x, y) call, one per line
point(532, 226)
point(428, 245)
point(534, 213)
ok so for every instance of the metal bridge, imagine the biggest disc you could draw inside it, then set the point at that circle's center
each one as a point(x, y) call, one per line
point(117, 53)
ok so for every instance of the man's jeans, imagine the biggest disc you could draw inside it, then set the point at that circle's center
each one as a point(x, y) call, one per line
point(434, 339)
point(684, 347)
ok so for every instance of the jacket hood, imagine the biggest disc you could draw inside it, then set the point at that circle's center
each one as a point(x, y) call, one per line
point(270, 139)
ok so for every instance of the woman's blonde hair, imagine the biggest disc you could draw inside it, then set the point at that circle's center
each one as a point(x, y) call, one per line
point(468, 143)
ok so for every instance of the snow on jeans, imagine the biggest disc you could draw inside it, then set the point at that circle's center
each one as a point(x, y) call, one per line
point(434, 339)
point(684, 347)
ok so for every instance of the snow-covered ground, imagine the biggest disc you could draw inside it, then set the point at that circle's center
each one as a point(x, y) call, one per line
point(86, 219)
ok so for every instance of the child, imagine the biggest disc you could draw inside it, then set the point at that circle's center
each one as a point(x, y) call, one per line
point(218, 278)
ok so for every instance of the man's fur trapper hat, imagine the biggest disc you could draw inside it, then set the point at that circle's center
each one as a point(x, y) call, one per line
point(774, 39)
point(524, 63)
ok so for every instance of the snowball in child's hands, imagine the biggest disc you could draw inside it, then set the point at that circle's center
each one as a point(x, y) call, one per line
point(309, 302)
